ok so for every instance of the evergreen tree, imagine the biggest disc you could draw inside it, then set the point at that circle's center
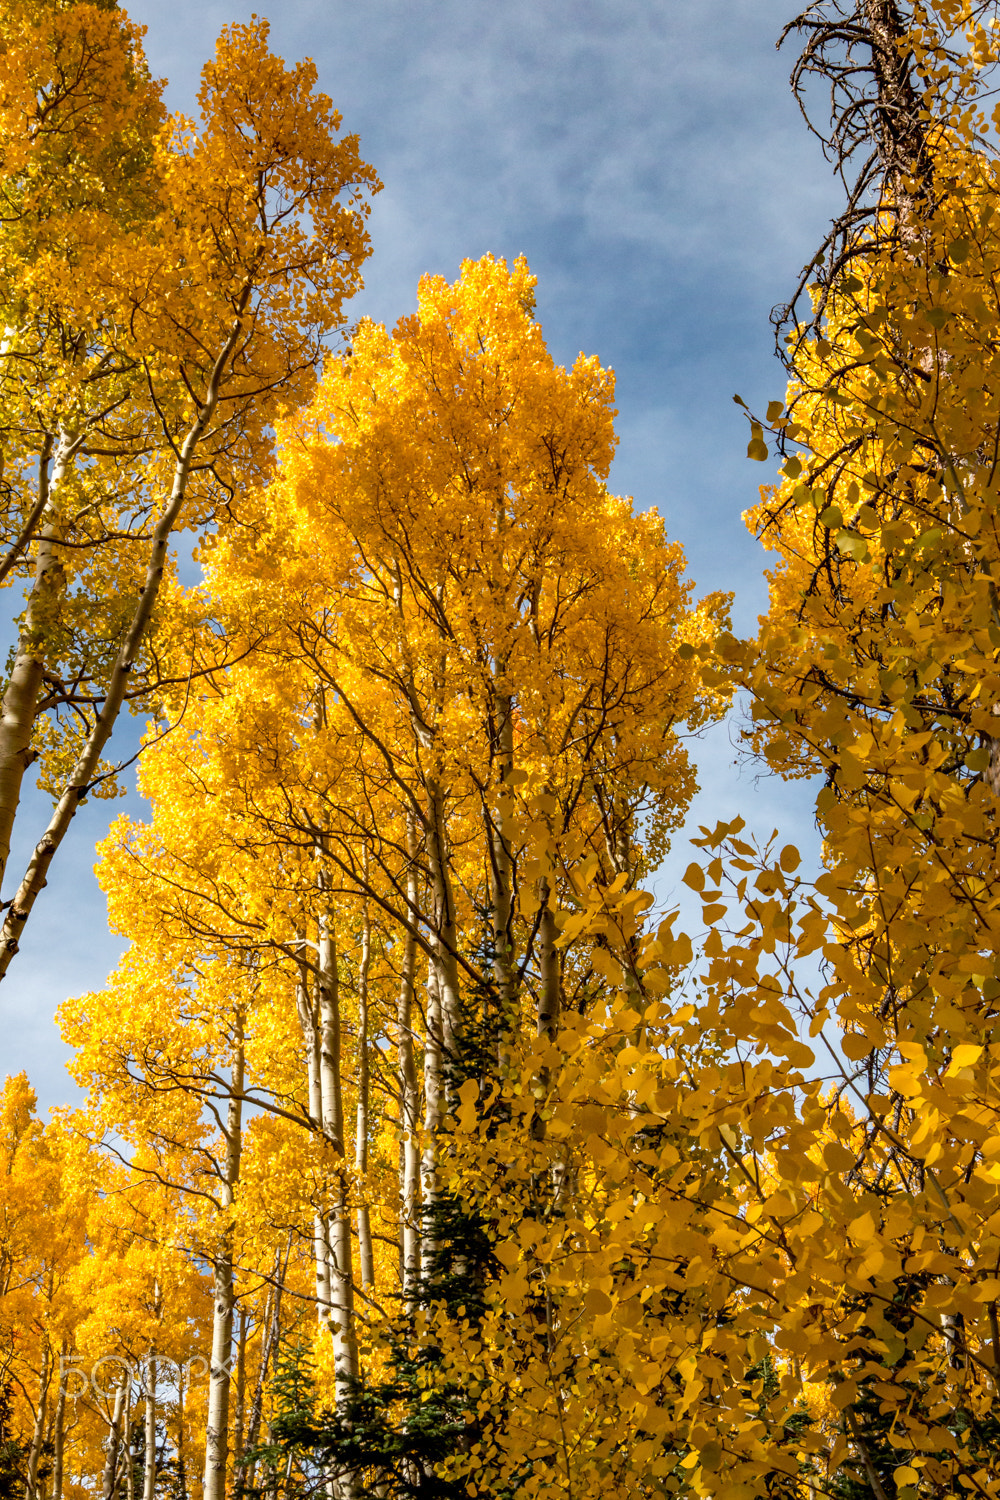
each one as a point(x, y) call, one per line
point(13, 1450)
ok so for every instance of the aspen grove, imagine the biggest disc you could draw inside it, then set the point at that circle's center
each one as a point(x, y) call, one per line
point(424, 1154)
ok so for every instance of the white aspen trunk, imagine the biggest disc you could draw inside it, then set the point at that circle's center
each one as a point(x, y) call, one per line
point(444, 950)
point(181, 1447)
point(224, 1301)
point(346, 1368)
point(433, 1117)
point(127, 1454)
point(442, 977)
point(114, 1439)
point(311, 1037)
point(149, 1433)
point(339, 1231)
point(38, 1431)
point(48, 588)
point(241, 1384)
point(408, 1091)
point(365, 1249)
point(58, 1438)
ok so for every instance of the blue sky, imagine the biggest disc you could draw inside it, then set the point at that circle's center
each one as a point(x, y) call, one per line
point(648, 160)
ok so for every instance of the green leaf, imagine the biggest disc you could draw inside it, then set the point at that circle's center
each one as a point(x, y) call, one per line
point(852, 544)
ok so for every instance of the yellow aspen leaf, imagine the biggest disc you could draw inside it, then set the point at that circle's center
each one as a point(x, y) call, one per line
point(597, 1301)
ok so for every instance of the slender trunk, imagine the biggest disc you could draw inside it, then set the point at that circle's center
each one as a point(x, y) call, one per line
point(547, 1005)
point(502, 748)
point(444, 959)
point(408, 1091)
point(83, 772)
point(311, 1037)
point(58, 1439)
point(241, 1385)
point(127, 1454)
point(224, 1301)
point(433, 1117)
point(38, 1431)
point(339, 1229)
point(877, 1487)
point(270, 1333)
point(48, 588)
point(114, 1441)
point(149, 1433)
point(338, 1225)
point(505, 956)
point(365, 1250)
point(181, 1460)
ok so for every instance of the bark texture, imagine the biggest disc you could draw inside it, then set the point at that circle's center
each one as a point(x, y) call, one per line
point(223, 1302)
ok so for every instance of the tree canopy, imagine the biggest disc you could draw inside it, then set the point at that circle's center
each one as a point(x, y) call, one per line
point(424, 1154)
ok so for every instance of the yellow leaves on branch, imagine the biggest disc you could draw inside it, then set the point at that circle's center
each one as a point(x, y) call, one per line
point(727, 1208)
point(168, 290)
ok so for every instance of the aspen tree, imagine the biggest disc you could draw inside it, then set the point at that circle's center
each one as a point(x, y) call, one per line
point(109, 1478)
point(456, 586)
point(224, 1299)
point(167, 292)
point(360, 780)
point(164, 1091)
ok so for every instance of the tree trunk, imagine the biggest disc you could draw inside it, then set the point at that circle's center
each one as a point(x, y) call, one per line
point(182, 1493)
point(241, 1383)
point(339, 1227)
point(548, 1002)
point(311, 1037)
point(408, 1091)
point(365, 1249)
point(270, 1332)
point(444, 949)
point(13, 745)
point(20, 700)
point(38, 1431)
point(433, 1117)
point(224, 1301)
point(901, 135)
point(114, 1441)
point(58, 1439)
point(504, 959)
point(149, 1437)
point(127, 1454)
